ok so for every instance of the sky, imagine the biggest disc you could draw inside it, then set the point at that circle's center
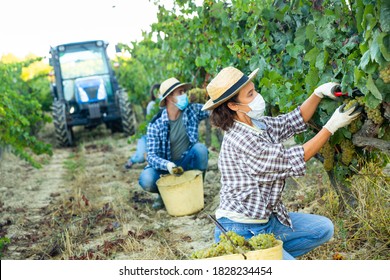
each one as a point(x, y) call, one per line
point(32, 26)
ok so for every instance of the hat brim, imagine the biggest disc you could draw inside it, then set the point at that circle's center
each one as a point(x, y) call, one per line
point(162, 101)
point(210, 103)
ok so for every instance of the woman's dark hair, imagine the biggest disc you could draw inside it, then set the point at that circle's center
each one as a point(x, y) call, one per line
point(151, 91)
point(223, 116)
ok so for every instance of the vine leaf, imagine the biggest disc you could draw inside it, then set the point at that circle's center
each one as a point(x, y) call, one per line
point(364, 61)
point(385, 16)
point(383, 40)
point(372, 88)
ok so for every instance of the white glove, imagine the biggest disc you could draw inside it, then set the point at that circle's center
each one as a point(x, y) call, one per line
point(170, 166)
point(326, 90)
point(340, 118)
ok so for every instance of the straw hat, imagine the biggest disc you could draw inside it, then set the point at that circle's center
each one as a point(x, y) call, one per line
point(225, 85)
point(168, 86)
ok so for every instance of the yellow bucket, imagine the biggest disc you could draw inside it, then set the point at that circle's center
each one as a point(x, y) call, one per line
point(183, 194)
point(274, 253)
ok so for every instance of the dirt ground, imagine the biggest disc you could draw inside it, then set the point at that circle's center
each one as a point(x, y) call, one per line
point(83, 204)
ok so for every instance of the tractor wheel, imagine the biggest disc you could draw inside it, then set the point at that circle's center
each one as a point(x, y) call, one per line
point(64, 133)
point(127, 114)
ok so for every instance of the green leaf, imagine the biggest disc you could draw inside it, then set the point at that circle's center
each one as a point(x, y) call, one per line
point(347, 134)
point(311, 32)
point(359, 77)
point(311, 79)
point(337, 137)
point(384, 17)
point(359, 14)
point(368, 17)
point(371, 101)
point(294, 50)
point(300, 36)
point(274, 76)
point(365, 60)
point(375, 51)
point(373, 89)
point(383, 40)
point(311, 56)
point(320, 61)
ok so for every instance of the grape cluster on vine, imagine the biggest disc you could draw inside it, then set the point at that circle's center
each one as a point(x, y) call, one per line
point(373, 114)
point(345, 148)
point(225, 247)
point(327, 152)
point(197, 95)
point(384, 74)
point(347, 151)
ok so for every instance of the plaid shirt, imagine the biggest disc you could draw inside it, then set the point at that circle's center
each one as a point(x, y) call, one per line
point(158, 143)
point(254, 166)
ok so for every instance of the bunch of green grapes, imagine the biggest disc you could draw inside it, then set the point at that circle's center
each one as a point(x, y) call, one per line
point(350, 103)
point(327, 151)
point(197, 95)
point(347, 151)
point(237, 239)
point(373, 114)
point(355, 125)
point(262, 241)
point(225, 247)
point(384, 74)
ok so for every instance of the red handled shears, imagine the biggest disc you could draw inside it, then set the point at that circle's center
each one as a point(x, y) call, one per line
point(336, 90)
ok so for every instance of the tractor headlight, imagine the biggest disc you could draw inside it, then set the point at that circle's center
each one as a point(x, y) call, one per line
point(83, 95)
point(101, 94)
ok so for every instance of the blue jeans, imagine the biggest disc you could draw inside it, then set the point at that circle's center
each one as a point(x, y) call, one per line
point(310, 231)
point(196, 158)
point(139, 155)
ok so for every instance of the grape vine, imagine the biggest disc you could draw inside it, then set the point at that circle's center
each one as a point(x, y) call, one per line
point(21, 114)
point(297, 45)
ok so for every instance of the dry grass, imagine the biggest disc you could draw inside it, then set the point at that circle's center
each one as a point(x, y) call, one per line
point(362, 232)
point(105, 215)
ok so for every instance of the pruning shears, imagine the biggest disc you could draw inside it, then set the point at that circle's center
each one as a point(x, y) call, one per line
point(336, 90)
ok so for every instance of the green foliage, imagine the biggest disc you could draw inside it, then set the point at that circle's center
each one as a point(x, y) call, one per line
point(297, 45)
point(21, 113)
point(39, 88)
point(143, 126)
point(132, 75)
point(3, 242)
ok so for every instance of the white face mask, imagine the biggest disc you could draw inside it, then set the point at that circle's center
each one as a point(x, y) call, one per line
point(257, 107)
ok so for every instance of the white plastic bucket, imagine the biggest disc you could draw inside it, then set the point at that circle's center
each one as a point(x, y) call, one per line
point(183, 194)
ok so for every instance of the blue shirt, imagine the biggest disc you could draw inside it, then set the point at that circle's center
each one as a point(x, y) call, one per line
point(158, 143)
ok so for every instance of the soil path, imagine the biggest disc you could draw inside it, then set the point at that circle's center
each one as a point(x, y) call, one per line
point(82, 204)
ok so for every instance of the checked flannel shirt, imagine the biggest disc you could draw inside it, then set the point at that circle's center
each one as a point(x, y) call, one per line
point(158, 143)
point(254, 166)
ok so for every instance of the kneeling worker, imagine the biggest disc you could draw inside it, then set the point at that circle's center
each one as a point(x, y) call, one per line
point(172, 137)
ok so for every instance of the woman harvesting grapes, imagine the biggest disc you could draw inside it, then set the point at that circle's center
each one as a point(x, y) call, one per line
point(254, 164)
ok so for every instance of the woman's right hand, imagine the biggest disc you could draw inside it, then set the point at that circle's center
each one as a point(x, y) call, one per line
point(341, 118)
point(326, 90)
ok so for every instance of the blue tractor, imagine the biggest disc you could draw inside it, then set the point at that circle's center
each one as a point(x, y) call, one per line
point(86, 92)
